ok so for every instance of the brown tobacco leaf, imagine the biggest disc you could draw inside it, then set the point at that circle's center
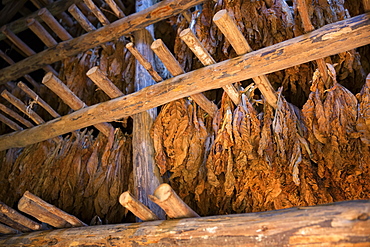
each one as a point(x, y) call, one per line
point(180, 142)
point(341, 156)
point(363, 118)
point(76, 173)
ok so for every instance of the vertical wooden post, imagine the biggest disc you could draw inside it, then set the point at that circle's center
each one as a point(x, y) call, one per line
point(146, 173)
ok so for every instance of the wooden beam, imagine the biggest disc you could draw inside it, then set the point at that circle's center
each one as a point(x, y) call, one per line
point(10, 10)
point(124, 26)
point(16, 116)
point(136, 207)
point(13, 125)
point(308, 27)
point(37, 99)
point(326, 41)
point(232, 33)
point(146, 176)
point(81, 18)
point(19, 218)
point(206, 59)
point(174, 67)
point(54, 25)
point(48, 213)
point(171, 203)
point(336, 224)
point(55, 8)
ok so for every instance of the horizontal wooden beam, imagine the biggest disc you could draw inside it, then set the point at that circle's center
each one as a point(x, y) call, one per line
point(336, 224)
point(55, 8)
point(328, 40)
point(124, 26)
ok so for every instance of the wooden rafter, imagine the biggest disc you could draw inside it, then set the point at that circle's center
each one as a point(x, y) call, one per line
point(124, 26)
point(55, 8)
point(326, 41)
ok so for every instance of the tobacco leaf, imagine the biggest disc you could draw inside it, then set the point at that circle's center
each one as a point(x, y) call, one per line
point(363, 117)
point(69, 174)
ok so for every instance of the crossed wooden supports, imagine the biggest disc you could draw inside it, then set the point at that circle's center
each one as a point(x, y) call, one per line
point(328, 40)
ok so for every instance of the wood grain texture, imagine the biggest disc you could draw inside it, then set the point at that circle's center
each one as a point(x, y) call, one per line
point(328, 40)
point(337, 224)
point(134, 22)
point(55, 8)
point(145, 172)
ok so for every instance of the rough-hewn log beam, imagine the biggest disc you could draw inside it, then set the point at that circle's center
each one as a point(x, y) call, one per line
point(328, 40)
point(55, 8)
point(336, 224)
point(134, 22)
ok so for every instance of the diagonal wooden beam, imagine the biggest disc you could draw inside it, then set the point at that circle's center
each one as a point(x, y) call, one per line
point(124, 26)
point(55, 8)
point(326, 41)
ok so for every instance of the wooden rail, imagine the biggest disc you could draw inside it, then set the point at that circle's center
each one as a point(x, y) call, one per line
point(336, 224)
point(326, 41)
point(55, 8)
point(124, 26)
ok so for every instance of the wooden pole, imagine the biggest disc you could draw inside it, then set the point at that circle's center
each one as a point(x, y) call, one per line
point(41, 32)
point(68, 97)
point(4, 229)
point(126, 25)
point(228, 27)
point(22, 107)
point(45, 212)
point(308, 27)
point(54, 25)
point(326, 41)
point(38, 99)
point(114, 7)
point(13, 125)
point(27, 77)
point(175, 69)
point(171, 203)
point(103, 82)
point(81, 18)
point(16, 116)
point(15, 225)
point(63, 16)
point(19, 218)
point(336, 224)
point(146, 174)
point(96, 11)
point(144, 62)
point(137, 208)
point(206, 59)
point(22, 46)
point(55, 8)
